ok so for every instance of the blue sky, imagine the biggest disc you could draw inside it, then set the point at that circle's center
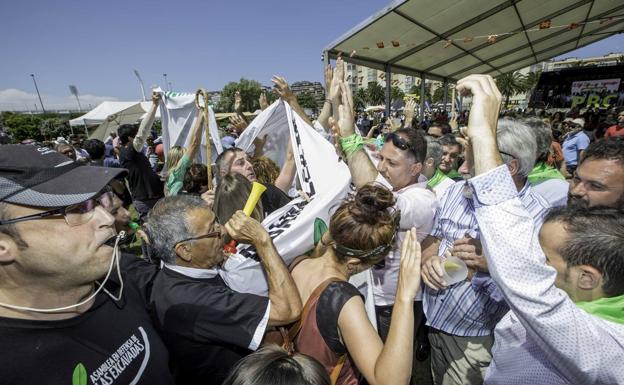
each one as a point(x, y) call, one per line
point(95, 45)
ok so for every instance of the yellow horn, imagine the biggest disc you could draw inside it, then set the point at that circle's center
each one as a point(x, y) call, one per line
point(256, 191)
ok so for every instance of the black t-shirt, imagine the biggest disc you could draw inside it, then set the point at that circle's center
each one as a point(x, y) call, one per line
point(273, 198)
point(112, 343)
point(144, 182)
point(330, 303)
point(206, 325)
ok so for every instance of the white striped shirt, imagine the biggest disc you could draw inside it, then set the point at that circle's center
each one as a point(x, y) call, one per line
point(469, 308)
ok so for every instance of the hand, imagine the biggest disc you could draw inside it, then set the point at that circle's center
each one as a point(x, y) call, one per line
point(239, 123)
point(409, 272)
point(486, 102)
point(209, 197)
point(410, 106)
point(346, 121)
point(263, 101)
point(453, 122)
point(245, 229)
point(432, 273)
point(470, 251)
point(282, 89)
point(335, 130)
point(329, 75)
point(237, 101)
point(337, 78)
point(258, 143)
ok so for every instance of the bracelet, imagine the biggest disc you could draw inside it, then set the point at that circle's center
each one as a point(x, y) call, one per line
point(353, 143)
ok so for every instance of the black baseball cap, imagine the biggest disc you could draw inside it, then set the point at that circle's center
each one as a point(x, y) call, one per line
point(41, 177)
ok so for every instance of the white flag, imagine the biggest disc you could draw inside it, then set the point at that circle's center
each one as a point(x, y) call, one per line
point(178, 114)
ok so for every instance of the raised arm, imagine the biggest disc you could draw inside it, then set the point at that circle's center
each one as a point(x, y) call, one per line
point(283, 294)
point(288, 171)
point(572, 339)
point(389, 363)
point(409, 112)
point(282, 89)
point(262, 100)
point(146, 124)
point(363, 171)
point(323, 118)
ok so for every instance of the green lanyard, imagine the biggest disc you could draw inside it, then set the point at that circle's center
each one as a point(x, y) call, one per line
point(608, 308)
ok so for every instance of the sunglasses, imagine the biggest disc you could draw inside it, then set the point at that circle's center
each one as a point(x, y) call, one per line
point(398, 141)
point(76, 214)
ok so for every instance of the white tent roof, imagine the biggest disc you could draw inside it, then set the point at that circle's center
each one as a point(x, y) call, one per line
point(433, 38)
point(108, 111)
point(100, 113)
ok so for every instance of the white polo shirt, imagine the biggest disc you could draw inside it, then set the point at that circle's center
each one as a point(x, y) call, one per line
point(418, 206)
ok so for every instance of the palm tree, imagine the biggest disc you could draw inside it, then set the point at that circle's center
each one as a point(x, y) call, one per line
point(375, 93)
point(510, 84)
point(359, 99)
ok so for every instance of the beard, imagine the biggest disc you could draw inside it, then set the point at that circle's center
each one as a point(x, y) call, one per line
point(582, 203)
point(577, 202)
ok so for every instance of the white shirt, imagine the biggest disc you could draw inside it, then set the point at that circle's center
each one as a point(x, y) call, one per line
point(555, 191)
point(545, 339)
point(441, 187)
point(418, 207)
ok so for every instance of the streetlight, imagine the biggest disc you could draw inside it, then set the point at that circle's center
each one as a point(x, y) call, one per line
point(38, 94)
point(165, 76)
point(74, 91)
point(141, 84)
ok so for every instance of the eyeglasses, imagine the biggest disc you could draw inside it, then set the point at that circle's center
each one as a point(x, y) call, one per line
point(75, 215)
point(213, 234)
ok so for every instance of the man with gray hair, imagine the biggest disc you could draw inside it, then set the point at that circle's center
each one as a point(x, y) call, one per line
point(206, 325)
point(462, 316)
point(546, 180)
point(436, 179)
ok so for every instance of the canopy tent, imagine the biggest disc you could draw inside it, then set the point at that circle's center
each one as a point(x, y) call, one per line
point(99, 114)
point(446, 40)
point(110, 115)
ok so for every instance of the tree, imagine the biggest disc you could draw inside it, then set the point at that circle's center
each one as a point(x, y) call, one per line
point(531, 80)
point(22, 126)
point(396, 93)
point(375, 94)
point(52, 128)
point(250, 92)
point(359, 99)
point(306, 100)
point(510, 84)
point(438, 95)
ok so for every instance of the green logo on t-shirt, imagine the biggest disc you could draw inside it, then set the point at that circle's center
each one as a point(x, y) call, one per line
point(80, 375)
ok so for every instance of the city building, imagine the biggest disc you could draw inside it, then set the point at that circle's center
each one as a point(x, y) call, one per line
point(313, 88)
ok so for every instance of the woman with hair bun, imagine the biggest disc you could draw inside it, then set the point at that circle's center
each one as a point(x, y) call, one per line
point(272, 365)
point(335, 329)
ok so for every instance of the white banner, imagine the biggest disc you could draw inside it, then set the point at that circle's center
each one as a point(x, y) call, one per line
point(595, 86)
point(292, 226)
point(178, 114)
point(325, 179)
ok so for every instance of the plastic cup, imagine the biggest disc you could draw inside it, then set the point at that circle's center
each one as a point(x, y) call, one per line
point(455, 270)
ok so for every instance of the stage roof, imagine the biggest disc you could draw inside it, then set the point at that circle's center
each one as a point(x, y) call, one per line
point(448, 39)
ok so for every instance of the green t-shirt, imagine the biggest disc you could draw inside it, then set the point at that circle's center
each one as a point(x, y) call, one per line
point(175, 181)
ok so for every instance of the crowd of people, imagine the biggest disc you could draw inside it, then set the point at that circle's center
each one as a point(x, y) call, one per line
point(111, 254)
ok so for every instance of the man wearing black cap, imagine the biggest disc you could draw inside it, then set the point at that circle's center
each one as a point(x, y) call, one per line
point(71, 312)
